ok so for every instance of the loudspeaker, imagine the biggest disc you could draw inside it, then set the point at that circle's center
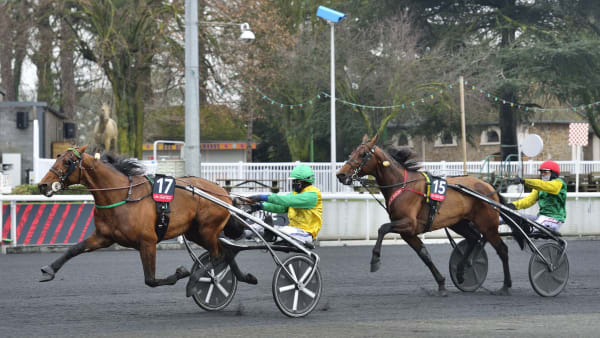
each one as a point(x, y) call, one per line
point(69, 130)
point(22, 120)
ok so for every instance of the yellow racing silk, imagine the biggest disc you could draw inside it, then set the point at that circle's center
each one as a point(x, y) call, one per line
point(304, 209)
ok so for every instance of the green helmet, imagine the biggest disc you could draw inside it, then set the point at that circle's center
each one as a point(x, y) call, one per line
point(304, 173)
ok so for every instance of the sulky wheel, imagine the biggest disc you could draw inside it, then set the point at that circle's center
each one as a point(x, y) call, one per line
point(217, 286)
point(545, 281)
point(476, 266)
point(296, 299)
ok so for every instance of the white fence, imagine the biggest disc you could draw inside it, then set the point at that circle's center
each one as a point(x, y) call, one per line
point(217, 172)
point(353, 216)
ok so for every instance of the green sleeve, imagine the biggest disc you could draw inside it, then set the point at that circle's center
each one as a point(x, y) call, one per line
point(276, 208)
point(303, 200)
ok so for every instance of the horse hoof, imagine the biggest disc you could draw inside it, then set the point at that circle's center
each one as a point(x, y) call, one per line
point(443, 292)
point(375, 266)
point(182, 272)
point(47, 274)
point(250, 279)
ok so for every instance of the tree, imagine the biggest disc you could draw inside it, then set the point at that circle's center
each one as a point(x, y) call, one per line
point(14, 30)
point(123, 37)
point(498, 25)
point(42, 56)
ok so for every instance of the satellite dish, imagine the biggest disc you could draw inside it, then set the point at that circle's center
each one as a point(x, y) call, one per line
point(532, 145)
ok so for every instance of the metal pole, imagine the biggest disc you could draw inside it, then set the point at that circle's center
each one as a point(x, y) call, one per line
point(333, 146)
point(36, 147)
point(192, 99)
point(462, 124)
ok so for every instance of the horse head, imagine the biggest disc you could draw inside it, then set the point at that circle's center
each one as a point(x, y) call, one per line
point(62, 173)
point(360, 163)
point(105, 112)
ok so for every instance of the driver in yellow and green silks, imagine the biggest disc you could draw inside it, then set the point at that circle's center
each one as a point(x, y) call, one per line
point(550, 192)
point(303, 205)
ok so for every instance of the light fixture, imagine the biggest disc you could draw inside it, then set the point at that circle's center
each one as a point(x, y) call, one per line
point(247, 35)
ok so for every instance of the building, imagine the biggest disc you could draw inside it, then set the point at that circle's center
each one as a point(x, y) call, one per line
point(483, 140)
point(213, 151)
point(16, 134)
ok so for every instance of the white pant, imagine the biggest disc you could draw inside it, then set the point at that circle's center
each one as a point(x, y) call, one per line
point(298, 234)
point(548, 222)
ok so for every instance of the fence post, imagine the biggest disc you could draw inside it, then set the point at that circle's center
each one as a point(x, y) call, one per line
point(13, 222)
point(2, 247)
point(240, 170)
point(367, 219)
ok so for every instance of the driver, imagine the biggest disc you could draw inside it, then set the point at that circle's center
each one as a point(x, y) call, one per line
point(550, 192)
point(303, 205)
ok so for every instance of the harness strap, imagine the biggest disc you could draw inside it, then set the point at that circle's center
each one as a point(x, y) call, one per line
point(397, 193)
point(110, 205)
point(128, 196)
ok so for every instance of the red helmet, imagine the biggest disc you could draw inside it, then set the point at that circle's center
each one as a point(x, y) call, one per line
point(550, 165)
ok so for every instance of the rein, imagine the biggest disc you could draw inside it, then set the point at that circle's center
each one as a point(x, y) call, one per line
point(366, 184)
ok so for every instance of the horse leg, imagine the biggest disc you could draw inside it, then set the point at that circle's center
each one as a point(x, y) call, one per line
point(417, 245)
point(91, 243)
point(472, 237)
point(375, 258)
point(502, 251)
point(395, 226)
point(148, 256)
point(229, 255)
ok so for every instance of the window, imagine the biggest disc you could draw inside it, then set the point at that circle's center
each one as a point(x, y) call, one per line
point(490, 136)
point(402, 140)
point(445, 139)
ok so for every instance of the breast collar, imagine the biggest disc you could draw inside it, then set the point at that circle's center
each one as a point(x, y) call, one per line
point(400, 190)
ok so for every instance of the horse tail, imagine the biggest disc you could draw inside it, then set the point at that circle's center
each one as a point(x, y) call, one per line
point(234, 228)
point(516, 232)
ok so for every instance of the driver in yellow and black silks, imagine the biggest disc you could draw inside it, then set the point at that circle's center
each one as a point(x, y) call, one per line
point(550, 192)
point(303, 205)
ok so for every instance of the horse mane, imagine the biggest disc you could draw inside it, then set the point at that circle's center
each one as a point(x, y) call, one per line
point(127, 166)
point(404, 156)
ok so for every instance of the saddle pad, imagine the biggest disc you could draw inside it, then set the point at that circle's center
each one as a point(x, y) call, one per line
point(438, 189)
point(163, 189)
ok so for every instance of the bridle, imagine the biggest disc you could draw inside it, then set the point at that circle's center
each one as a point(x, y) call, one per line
point(63, 175)
point(366, 157)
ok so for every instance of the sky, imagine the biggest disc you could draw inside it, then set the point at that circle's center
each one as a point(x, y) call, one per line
point(28, 81)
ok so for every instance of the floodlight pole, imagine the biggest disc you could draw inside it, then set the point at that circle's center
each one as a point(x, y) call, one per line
point(192, 96)
point(332, 108)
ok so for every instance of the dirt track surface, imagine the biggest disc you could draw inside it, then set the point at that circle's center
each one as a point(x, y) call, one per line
point(103, 294)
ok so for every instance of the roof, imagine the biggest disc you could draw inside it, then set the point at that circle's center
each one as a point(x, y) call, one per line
point(29, 104)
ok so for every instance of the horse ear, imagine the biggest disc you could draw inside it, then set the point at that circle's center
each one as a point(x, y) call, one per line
point(374, 139)
point(82, 149)
point(365, 138)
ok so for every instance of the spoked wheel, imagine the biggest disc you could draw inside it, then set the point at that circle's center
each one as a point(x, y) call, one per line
point(476, 266)
point(297, 299)
point(217, 284)
point(549, 282)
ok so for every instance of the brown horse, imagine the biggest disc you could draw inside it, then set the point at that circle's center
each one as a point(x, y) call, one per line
point(126, 214)
point(404, 188)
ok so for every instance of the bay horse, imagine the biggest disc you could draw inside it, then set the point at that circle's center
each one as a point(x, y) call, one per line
point(403, 188)
point(126, 214)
